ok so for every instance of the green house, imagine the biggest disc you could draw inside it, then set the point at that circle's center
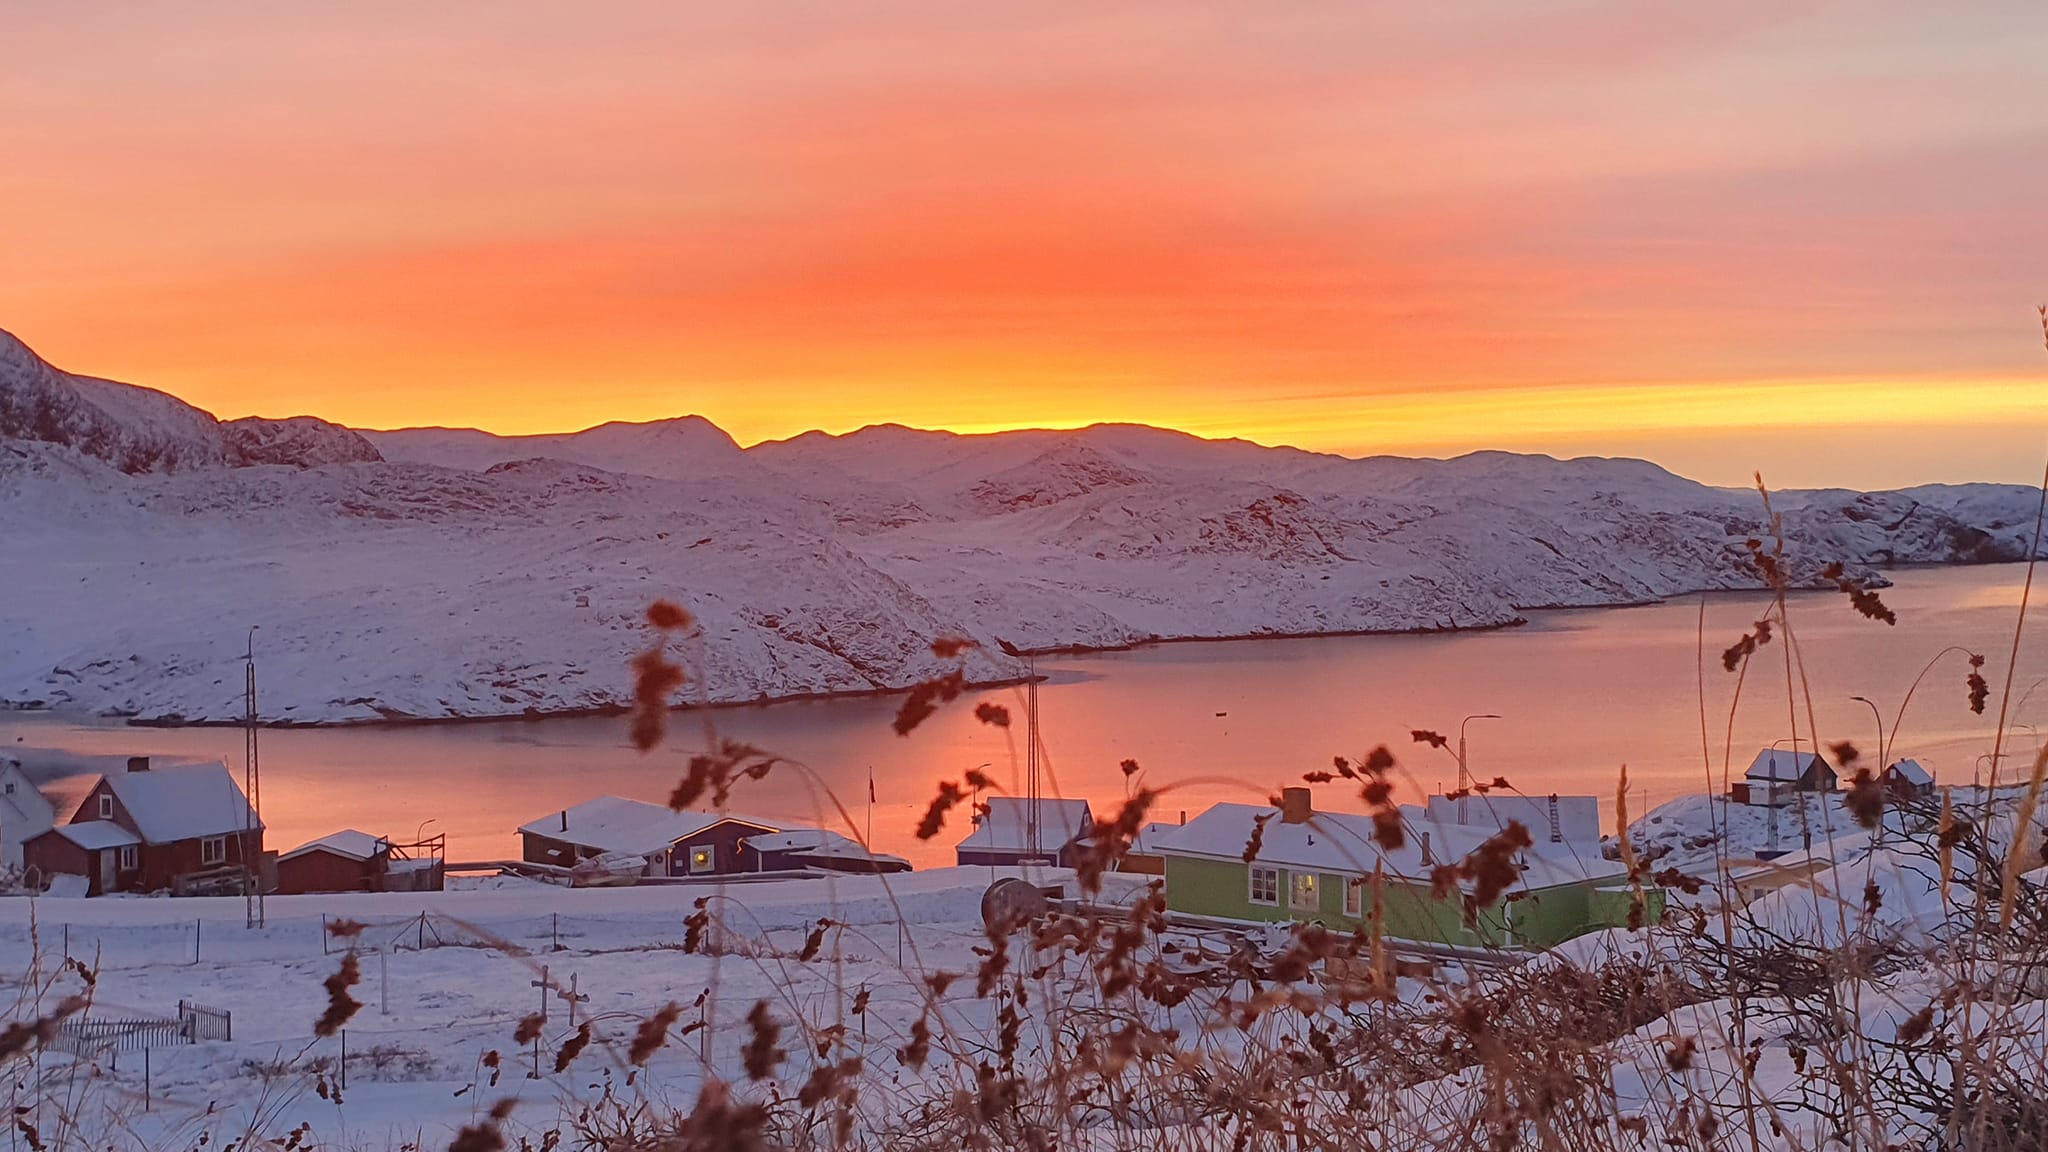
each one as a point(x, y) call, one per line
point(1317, 866)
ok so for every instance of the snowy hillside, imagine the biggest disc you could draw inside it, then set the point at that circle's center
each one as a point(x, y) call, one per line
point(445, 573)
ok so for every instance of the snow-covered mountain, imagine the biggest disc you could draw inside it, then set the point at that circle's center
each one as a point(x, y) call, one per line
point(142, 430)
point(444, 573)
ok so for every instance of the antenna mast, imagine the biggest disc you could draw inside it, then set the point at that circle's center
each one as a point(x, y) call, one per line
point(252, 789)
point(1031, 754)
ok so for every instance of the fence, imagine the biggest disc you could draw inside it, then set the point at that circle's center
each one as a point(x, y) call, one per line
point(102, 1037)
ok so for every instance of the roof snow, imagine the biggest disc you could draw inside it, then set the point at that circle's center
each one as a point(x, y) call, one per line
point(616, 824)
point(94, 835)
point(1006, 826)
point(183, 802)
point(347, 843)
point(1578, 817)
point(1912, 772)
point(815, 842)
point(1779, 764)
point(1342, 843)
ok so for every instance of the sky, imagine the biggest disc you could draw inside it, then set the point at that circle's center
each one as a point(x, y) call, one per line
point(1801, 238)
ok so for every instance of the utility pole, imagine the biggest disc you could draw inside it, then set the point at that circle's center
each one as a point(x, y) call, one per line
point(252, 790)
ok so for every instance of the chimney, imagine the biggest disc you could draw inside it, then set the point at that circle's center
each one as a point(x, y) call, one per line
point(1294, 806)
point(1183, 816)
point(138, 763)
point(565, 819)
point(1426, 858)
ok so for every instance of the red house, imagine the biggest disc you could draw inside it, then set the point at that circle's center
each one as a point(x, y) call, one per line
point(352, 861)
point(185, 828)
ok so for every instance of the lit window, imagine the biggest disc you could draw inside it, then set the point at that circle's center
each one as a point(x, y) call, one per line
point(106, 806)
point(1265, 885)
point(213, 850)
point(704, 859)
point(128, 858)
point(1302, 893)
point(1354, 897)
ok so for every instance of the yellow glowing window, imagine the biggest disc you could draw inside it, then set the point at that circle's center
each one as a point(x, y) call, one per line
point(1354, 898)
point(1303, 891)
point(703, 859)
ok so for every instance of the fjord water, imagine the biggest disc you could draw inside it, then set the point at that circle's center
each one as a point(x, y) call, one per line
point(1580, 693)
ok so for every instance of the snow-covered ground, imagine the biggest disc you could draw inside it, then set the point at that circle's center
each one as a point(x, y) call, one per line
point(451, 573)
point(431, 1013)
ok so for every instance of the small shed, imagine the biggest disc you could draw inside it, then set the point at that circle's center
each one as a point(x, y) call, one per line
point(355, 861)
point(1017, 830)
point(1778, 775)
point(1907, 779)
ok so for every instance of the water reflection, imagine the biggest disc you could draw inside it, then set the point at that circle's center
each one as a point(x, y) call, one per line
point(1582, 693)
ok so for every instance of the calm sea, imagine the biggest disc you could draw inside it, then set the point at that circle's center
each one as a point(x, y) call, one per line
point(1579, 695)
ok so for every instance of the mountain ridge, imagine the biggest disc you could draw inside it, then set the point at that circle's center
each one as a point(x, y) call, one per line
point(444, 576)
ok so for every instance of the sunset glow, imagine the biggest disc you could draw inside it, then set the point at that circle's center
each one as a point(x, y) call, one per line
point(1796, 240)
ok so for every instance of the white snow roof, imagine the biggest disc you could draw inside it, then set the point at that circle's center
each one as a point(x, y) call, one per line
point(1780, 764)
point(1578, 817)
point(616, 824)
point(1151, 836)
point(1006, 826)
point(815, 842)
point(348, 843)
point(94, 835)
point(183, 801)
point(1912, 772)
point(1342, 842)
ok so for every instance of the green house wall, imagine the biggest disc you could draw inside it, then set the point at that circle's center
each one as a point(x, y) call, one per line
point(1222, 889)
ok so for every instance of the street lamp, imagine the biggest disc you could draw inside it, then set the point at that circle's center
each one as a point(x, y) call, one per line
point(1464, 773)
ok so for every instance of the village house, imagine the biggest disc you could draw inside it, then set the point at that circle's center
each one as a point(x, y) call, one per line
point(1317, 866)
point(670, 843)
point(353, 861)
point(1017, 830)
point(184, 828)
point(1908, 779)
point(1777, 776)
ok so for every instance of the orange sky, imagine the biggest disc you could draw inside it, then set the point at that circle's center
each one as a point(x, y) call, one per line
point(1723, 236)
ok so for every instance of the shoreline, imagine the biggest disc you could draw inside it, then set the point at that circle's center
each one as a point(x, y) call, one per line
point(611, 711)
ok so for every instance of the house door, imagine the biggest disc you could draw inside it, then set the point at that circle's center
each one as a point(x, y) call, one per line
point(107, 871)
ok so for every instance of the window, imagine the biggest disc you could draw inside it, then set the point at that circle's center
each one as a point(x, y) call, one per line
point(704, 859)
point(1354, 897)
point(128, 858)
point(1265, 885)
point(1302, 893)
point(106, 806)
point(10, 787)
point(213, 850)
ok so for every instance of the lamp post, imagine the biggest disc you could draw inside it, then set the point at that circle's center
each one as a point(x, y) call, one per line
point(1464, 772)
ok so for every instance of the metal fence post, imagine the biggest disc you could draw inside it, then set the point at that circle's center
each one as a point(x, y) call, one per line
point(344, 1057)
point(195, 941)
point(323, 933)
point(558, 931)
point(146, 1091)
